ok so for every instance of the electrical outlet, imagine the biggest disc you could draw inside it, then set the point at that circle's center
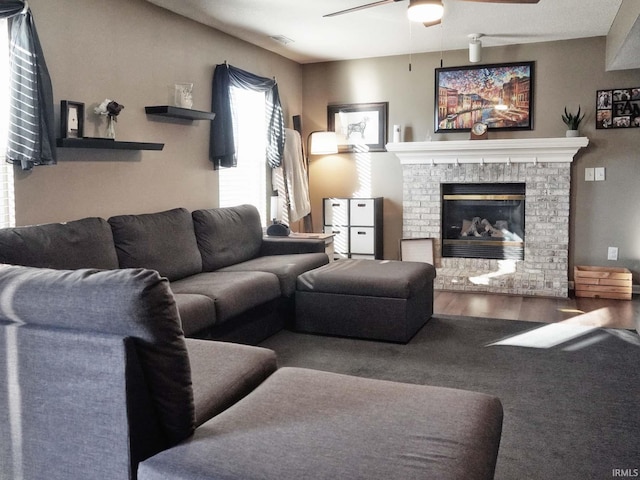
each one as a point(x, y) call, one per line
point(599, 173)
point(589, 175)
point(612, 253)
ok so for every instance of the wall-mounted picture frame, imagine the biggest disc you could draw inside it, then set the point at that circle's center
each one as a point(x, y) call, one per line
point(618, 108)
point(359, 126)
point(71, 119)
point(499, 95)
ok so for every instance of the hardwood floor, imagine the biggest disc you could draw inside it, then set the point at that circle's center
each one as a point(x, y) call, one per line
point(582, 311)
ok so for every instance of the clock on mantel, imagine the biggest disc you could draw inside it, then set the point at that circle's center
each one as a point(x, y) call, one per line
point(479, 131)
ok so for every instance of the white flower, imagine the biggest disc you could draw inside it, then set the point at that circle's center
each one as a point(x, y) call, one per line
point(109, 108)
point(102, 108)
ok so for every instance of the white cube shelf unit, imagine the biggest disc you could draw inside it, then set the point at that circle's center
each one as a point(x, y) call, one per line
point(356, 224)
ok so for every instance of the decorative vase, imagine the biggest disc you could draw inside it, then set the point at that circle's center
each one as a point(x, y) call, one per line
point(111, 127)
point(573, 133)
point(184, 95)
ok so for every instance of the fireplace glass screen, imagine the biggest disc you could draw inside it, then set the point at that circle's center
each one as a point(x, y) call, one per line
point(483, 220)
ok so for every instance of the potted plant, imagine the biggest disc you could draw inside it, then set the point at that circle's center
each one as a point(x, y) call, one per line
point(573, 122)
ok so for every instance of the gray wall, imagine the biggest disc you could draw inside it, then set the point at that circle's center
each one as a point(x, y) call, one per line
point(133, 52)
point(567, 73)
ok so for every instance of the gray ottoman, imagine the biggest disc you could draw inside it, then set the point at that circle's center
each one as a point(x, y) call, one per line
point(374, 299)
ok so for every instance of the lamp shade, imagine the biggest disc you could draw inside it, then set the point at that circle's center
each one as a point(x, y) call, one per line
point(323, 143)
point(425, 11)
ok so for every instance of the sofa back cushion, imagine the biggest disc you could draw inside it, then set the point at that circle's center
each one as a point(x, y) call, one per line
point(163, 241)
point(134, 303)
point(85, 243)
point(227, 236)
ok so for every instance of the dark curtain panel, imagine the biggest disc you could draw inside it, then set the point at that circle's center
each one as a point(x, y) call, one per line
point(31, 129)
point(222, 149)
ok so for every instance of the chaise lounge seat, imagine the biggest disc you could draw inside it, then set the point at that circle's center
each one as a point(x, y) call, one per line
point(306, 424)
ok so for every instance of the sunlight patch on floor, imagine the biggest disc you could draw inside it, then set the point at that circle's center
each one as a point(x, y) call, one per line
point(547, 336)
point(554, 334)
point(505, 267)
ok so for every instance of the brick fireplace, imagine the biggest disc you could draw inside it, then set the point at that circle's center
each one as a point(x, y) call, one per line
point(543, 165)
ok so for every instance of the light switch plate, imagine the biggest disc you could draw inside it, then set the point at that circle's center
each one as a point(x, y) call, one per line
point(599, 174)
point(612, 253)
point(589, 175)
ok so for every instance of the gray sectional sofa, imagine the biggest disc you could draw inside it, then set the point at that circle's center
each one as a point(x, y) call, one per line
point(229, 282)
point(108, 369)
point(99, 382)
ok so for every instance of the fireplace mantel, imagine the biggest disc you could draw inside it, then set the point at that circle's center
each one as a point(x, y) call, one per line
point(530, 150)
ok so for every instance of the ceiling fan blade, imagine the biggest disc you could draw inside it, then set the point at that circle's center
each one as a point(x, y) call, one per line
point(361, 7)
point(504, 1)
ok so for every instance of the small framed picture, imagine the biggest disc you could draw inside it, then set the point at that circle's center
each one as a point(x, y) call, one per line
point(71, 119)
point(416, 250)
point(618, 108)
point(359, 126)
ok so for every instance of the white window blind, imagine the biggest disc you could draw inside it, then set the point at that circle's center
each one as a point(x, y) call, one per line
point(7, 197)
point(247, 183)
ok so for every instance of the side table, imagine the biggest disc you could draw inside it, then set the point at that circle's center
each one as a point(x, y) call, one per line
point(327, 237)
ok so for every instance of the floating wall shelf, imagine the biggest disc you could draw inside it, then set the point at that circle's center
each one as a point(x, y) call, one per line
point(106, 143)
point(177, 112)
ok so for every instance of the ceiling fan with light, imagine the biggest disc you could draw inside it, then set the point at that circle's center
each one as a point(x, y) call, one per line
point(428, 12)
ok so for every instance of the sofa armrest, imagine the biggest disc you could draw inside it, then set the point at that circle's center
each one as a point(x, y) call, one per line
point(289, 245)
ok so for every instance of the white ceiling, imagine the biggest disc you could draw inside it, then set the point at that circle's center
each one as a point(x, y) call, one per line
point(384, 30)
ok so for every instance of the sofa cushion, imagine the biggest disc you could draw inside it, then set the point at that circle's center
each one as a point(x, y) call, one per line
point(133, 303)
point(163, 241)
point(309, 424)
point(227, 235)
point(197, 312)
point(223, 373)
point(85, 243)
point(285, 267)
point(63, 405)
point(375, 278)
point(233, 292)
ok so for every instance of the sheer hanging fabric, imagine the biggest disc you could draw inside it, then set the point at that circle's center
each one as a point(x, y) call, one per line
point(290, 179)
point(222, 148)
point(31, 129)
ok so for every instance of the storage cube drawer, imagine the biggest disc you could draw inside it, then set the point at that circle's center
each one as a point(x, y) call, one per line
point(362, 211)
point(336, 211)
point(362, 240)
point(602, 282)
point(340, 239)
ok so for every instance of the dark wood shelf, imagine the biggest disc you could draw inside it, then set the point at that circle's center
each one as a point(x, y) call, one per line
point(106, 143)
point(177, 112)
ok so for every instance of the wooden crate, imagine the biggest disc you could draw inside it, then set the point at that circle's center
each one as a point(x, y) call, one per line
point(602, 282)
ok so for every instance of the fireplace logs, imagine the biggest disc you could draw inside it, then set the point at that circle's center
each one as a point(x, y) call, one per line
point(483, 220)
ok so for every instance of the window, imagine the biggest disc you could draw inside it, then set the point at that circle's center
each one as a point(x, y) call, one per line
point(7, 202)
point(247, 183)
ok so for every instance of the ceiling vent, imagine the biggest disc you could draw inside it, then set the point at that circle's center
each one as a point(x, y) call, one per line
point(281, 39)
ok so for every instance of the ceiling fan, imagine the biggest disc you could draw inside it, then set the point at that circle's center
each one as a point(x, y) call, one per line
point(428, 12)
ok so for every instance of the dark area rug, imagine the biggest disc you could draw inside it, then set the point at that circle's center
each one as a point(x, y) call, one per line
point(572, 410)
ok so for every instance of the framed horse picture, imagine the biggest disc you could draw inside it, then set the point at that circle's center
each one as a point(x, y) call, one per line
point(359, 127)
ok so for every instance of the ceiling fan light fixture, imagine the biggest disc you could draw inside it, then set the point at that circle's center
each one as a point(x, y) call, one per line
point(425, 11)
